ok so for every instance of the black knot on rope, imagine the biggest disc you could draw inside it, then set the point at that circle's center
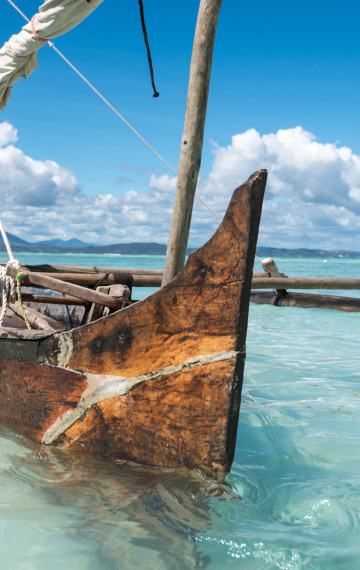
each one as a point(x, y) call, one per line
point(156, 93)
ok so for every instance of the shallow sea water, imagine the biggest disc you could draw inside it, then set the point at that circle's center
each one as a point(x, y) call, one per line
point(296, 467)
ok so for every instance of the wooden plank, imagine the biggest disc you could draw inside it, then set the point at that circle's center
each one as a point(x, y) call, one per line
point(70, 316)
point(304, 283)
point(193, 135)
point(91, 279)
point(12, 321)
point(39, 280)
point(307, 301)
point(142, 277)
point(16, 334)
point(147, 280)
point(99, 311)
point(37, 320)
point(48, 268)
point(51, 299)
point(258, 282)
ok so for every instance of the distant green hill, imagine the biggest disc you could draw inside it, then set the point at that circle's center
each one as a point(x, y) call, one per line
point(153, 248)
point(14, 240)
point(70, 243)
point(302, 252)
point(77, 246)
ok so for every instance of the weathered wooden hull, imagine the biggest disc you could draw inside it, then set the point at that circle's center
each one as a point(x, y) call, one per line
point(158, 382)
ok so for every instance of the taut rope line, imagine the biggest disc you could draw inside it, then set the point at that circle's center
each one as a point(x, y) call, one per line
point(49, 43)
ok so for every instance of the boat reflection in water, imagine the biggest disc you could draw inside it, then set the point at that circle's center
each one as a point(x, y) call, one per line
point(92, 513)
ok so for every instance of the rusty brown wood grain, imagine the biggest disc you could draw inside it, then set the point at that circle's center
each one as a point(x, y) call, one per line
point(202, 311)
point(178, 421)
point(32, 396)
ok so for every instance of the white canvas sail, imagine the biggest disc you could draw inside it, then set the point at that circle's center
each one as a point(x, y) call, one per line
point(18, 57)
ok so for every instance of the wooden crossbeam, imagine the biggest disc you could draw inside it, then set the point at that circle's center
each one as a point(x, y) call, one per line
point(30, 278)
point(48, 268)
point(91, 279)
point(90, 275)
point(308, 301)
point(51, 299)
point(304, 283)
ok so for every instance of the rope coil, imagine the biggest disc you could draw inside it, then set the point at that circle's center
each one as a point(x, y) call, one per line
point(9, 285)
point(7, 290)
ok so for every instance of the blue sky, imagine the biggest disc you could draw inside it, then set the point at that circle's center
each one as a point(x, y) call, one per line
point(284, 95)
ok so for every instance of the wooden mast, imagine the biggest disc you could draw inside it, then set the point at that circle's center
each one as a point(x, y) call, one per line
point(193, 135)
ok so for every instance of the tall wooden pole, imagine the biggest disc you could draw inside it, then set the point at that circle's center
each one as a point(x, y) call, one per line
point(193, 136)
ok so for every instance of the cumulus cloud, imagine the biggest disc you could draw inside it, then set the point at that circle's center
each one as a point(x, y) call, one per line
point(299, 166)
point(7, 134)
point(313, 191)
point(312, 198)
point(28, 182)
point(41, 200)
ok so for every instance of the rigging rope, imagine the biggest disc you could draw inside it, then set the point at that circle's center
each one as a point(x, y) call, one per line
point(112, 108)
point(142, 17)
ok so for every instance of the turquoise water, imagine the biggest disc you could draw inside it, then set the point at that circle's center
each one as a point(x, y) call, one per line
point(296, 467)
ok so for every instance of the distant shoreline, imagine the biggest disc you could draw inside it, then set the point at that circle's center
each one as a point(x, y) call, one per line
point(305, 253)
point(160, 249)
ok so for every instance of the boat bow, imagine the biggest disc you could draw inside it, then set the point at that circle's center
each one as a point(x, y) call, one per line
point(160, 381)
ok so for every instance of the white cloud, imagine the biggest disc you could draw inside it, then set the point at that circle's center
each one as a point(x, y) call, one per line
point(164, 183)
point(41, 200)
point(28, 182)
point(312, 198)
point(7, 134)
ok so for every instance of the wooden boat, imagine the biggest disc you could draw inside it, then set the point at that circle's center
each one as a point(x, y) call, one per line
point(158, 382)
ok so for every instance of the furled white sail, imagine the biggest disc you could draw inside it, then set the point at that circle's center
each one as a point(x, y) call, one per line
point(18, 57)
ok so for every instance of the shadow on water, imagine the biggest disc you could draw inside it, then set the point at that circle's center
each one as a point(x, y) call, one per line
point(113, 515)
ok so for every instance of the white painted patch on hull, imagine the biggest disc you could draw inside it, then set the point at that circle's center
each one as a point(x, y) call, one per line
point(103, 387)
point(66, 349)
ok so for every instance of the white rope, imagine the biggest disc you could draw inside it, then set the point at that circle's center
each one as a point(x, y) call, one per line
point(7, 283)
point(50, 44)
